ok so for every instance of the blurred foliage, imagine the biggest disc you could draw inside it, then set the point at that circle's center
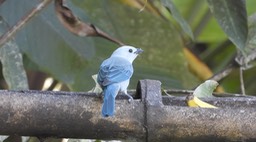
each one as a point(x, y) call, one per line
point(73, 60)
point(184, 42)
point(212, 45)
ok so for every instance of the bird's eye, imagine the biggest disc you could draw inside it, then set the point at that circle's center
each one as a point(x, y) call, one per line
point(130, 50)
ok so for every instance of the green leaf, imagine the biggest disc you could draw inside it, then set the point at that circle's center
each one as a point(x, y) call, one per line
point(232, 17)
point(206, 89)
point(12, 63)
point(177, 16)
point(251, 42)
point(250, 48)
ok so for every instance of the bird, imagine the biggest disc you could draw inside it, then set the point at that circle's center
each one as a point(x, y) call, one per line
point(114, 76)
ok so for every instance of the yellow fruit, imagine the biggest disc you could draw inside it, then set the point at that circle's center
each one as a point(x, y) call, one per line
point(193, 101)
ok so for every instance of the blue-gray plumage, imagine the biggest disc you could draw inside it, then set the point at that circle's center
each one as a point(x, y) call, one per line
point(114, 76)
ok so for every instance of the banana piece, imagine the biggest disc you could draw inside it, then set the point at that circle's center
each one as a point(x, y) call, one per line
point(193, 101)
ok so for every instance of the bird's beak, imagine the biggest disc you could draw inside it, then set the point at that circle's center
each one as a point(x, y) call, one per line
point(138, 51)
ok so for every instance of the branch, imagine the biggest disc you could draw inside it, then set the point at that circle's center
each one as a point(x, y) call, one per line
point(225, 72)
point(150, 117)
point(9, 34)
point(73, 24)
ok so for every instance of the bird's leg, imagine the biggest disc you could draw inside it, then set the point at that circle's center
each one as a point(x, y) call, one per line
point(129, 96)
point(100, 95)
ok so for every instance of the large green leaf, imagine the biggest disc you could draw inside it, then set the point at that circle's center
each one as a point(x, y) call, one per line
point(178, 17)
point(250, 48)
point(251, 42)
point(232, 17)
point(12, 63)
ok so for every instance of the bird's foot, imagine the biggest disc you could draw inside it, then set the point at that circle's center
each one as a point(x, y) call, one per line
point(130, 98)
point(100, 95)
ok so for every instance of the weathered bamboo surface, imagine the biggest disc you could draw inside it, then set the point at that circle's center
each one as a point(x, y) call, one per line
point(151, 117)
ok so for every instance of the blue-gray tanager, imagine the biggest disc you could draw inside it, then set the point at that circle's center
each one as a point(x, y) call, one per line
point(114, 76)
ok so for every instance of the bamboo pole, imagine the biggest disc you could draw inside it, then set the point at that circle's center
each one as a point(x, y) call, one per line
point(150, 117)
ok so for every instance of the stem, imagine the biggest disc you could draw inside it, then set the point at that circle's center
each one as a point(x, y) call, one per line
point(219, 76)
point(24, 20)
point(242, 81)
point(226, 71)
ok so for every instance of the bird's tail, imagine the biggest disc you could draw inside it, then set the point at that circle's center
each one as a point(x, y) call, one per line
point(108, 108)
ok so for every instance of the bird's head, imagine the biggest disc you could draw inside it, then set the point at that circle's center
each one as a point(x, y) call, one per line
point(127, 52)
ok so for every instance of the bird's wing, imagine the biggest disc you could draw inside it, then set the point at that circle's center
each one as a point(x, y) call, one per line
point(114, 70)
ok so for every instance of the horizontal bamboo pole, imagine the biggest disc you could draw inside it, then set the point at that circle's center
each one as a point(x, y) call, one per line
point(150, 117)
